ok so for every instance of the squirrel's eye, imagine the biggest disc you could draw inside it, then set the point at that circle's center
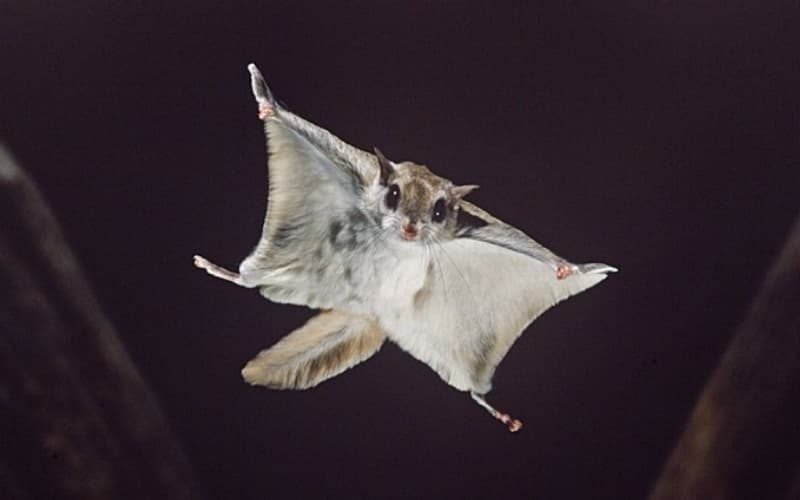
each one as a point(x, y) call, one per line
point(439, 210)
point(393, 196)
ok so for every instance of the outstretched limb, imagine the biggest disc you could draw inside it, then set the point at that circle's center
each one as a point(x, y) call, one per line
point(345, 155)
point(565, 269)
point(219, 271)
point(513, 424)
point(264, 97)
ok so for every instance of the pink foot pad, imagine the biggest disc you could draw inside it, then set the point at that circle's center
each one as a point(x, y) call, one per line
point(564, 270)
point(513, 424)
point(265, 110)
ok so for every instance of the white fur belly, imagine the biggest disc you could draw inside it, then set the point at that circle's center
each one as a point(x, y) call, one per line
point(402, 274)
point(414, 306)
point(432, 345)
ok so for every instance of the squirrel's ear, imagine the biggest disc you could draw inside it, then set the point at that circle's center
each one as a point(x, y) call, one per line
point(459, 192)
point(387, 169)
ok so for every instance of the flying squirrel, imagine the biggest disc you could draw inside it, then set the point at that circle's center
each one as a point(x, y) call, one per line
point(388, 250)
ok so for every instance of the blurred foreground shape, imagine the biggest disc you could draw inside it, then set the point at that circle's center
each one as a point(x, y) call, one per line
point(742, 439)
point(76, 418)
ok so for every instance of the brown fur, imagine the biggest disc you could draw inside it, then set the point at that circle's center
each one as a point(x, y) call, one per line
point(324, 347)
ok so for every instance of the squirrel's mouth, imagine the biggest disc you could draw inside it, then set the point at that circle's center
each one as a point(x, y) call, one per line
point(409, 231)
point(409, 235)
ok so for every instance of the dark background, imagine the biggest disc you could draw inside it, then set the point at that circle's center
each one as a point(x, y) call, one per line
point(660, 137)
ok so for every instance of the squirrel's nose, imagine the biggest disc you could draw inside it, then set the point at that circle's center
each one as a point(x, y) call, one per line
point(409, 230)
